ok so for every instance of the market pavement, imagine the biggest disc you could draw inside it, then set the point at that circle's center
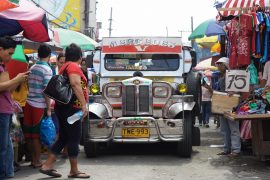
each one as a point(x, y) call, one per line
point(159, 162)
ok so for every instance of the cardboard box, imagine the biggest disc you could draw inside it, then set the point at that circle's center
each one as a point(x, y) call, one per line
point(221, 102)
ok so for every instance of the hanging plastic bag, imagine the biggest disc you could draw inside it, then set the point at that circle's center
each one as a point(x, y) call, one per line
point(47, 131)
point(253, 74)
point(16, 132)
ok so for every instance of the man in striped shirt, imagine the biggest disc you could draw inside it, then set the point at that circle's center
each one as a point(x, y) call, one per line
point(37, 104)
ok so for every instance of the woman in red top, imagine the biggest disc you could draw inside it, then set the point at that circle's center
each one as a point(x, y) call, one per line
point(69, 134)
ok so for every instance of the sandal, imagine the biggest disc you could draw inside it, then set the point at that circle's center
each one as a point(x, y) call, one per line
point(50, 172)
point(223, 153)
point(234, 154)
point(79, 175)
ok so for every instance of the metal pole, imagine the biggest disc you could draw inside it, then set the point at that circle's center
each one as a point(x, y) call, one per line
point(86, 17)
point(110, 27)
point(192, 41)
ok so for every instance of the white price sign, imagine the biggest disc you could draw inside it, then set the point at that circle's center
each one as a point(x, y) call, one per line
point(237, 80)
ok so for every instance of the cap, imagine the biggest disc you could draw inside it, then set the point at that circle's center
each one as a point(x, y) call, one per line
point(225, 61)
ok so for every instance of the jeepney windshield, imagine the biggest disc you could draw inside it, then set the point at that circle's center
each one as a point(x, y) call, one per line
point(142, 62)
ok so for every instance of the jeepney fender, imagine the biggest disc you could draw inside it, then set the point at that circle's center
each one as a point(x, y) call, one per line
point(98, 109)
point(176, 108)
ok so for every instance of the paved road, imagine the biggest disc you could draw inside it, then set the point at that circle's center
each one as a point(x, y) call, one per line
point(159, 162)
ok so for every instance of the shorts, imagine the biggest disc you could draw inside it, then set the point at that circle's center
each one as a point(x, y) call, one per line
point(31, 122)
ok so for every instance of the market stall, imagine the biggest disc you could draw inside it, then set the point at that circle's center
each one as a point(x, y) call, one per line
point(260, 125)
point(247, 47)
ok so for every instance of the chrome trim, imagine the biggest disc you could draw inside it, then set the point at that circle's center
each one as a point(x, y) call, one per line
point(130, 82)
point(98, 109)
point(117, 123)
point(178, 107)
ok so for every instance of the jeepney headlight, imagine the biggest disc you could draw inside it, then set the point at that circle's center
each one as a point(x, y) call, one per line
point(113, 91)
point(182, 88)
point(94, 88)
point(161, 92)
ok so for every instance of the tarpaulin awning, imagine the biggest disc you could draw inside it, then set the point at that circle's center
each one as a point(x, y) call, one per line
point(234, 7)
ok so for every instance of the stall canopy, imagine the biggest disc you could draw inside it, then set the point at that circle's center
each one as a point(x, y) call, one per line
point(65, 37)
point(27, 18)
point(234, 7)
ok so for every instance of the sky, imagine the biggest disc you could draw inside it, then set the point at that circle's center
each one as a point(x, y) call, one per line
point(153, 17)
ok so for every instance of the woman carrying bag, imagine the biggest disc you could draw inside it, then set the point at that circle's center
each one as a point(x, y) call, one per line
point(69, 134)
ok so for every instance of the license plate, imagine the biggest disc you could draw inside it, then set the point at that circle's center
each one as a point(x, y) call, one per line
point(135, 132)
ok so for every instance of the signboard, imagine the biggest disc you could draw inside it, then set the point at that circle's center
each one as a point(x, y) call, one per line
point(66, 13)
point(237, 81)
point(142, 45)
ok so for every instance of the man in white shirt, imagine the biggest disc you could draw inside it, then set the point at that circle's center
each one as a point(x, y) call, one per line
point(266, 75)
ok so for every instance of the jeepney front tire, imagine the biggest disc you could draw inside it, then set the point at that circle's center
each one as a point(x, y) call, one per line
point(184, 147)
point(91, 149)
point(194, 88)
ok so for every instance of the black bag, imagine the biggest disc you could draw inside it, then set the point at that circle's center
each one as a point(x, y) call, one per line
point(59, 89)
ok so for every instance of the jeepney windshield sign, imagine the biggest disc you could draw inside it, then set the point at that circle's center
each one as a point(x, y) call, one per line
point(142, 62)
point(142, 42)
point(156, 45)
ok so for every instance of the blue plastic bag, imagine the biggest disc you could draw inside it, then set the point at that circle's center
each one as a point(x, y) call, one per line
point(47, 131)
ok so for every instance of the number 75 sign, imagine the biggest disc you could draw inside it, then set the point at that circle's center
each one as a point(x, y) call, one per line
point(237, 80)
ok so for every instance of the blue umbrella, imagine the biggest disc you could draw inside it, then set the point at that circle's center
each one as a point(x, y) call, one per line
point(207, 28)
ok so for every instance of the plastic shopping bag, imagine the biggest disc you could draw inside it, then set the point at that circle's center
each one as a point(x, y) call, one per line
point(16, 132)
point(47, 131)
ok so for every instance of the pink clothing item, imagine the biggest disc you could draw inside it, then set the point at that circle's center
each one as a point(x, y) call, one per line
point(206, 95)
point(6, 102)
point(27, 11)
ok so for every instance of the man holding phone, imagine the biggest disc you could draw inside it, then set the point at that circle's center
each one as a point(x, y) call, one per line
point(7, 85)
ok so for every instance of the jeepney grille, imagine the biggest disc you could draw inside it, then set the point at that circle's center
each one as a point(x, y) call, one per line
point(143, 98)
point(131, 98)
point(137, 100)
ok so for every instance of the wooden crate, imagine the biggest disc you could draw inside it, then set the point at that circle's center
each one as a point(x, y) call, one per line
point(221, 102)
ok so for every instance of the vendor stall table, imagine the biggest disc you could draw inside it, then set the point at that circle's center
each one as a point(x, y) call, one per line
point(260, 127)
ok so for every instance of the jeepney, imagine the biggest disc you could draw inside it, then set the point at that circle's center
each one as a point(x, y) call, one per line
point(144, 94)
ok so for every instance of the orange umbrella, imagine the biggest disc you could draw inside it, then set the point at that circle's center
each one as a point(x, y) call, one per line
point(8, 4)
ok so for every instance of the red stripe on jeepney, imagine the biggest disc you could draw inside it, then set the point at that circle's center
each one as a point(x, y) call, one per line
point(117, 105)
point(158, 105)
point(141, 49)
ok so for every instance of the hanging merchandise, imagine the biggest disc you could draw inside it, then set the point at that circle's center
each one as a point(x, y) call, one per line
point(253, 74)
point(240, 31)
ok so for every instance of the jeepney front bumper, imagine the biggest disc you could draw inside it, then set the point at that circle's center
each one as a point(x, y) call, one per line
point(135, 129)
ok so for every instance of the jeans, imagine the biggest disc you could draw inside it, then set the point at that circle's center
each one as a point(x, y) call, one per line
point(231, 135)
point(206, 111)
point(6, 147)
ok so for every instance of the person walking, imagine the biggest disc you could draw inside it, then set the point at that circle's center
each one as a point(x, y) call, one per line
point(229, 129)
point(69, 134)
point(37, 104)
point(60, 61)
point(207, 93)
point(7, 47)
